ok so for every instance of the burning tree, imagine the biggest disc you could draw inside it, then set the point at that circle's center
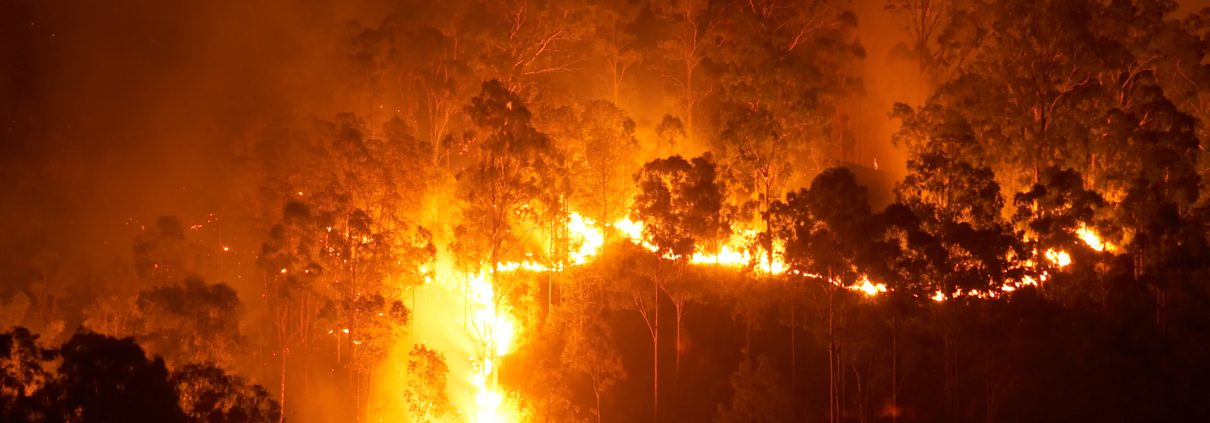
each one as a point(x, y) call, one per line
point(505, 192)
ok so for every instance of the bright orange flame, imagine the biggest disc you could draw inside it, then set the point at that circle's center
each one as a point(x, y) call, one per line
point(497, 331)
point(1092, 239)
point(590, 237)
point(868, 288)
point(731, 254)
point(487, 399)
point(634, 231)
point(1059, 258)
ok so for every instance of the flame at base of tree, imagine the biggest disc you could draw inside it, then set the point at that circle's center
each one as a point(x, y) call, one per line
point(462, 316)
point(495, 326)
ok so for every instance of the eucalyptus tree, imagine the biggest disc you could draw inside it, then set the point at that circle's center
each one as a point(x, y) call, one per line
point(690, 25)
point(191, 322)
point(211, 394)
point(611, 155)
point(590, 347)
point(614, 40)
point(682, 207)
point(944, 35)
point(790, 63)
point(505, 190)
point(830, 236)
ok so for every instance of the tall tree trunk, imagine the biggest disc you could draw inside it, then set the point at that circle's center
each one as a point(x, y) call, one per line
point(689, 98)
point(369, 391)
point(832, 411)
point(655, 341)
point(949, 369)
point(653, 327)
point(281, 418)
point(680, 308)
point(355, 373)
point(303, 314)
point(793, 356)
point(895, 369)
point(596, 390)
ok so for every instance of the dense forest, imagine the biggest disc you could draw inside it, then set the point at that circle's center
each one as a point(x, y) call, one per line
point(605, 211)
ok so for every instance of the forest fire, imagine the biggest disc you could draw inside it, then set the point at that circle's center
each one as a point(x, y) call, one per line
point(653, 211)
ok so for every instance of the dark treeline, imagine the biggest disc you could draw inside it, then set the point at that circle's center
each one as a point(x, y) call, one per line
point(1043, 254)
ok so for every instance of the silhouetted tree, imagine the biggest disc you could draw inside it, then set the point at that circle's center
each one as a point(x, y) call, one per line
point(209, 394)
point(681, 206)
point(103, 379)
point(24, 376)
point(761, 395)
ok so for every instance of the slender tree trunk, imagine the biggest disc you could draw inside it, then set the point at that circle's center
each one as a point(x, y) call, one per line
point(895, 369)
point(356, 391)
point(596, 389)
point(689, 99)
point(550, 273)
point(369, 391)
point(833, 362)
point(793, 355)
point(949, 391)
point(655, 341)
point(988, 387)
point(832, 411)
point(680, 307)
point(355, 373)
point(281, 418)
point(860, 392)
point(304, 312)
